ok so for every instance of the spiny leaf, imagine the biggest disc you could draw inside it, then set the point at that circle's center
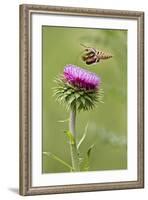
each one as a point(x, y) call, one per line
point(83, 136)
point(61, 121)
point(70, 137)
point(85, 163)
point(53, 156)
point(89, 150)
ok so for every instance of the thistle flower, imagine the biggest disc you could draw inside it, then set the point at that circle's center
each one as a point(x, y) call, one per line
point(81, 78)
point(77, 88)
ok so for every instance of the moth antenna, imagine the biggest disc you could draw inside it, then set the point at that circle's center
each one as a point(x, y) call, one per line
point(83, 45)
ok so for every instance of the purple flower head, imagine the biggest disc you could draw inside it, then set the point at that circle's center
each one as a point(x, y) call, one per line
point(81, 78)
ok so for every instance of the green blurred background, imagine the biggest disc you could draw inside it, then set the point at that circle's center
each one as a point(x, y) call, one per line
point(107, 123)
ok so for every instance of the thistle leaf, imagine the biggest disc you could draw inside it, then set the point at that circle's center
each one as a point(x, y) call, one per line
point(85, 164)
point(89, 150)
point(62, 121)
point(70, 137)
point(83, 136)
point(53, 156)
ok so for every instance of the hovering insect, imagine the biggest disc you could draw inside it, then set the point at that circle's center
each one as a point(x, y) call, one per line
point(91, 55)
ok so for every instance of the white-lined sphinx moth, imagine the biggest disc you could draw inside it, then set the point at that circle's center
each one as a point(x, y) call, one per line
point(92, 55)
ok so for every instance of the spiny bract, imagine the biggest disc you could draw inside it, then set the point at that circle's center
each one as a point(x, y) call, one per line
point(78, 88)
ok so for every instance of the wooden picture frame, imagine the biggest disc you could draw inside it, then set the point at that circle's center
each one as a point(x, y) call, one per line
point(26, 111)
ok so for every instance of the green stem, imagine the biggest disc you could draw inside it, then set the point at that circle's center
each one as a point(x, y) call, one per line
point(72, 123)
point(73, 146)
